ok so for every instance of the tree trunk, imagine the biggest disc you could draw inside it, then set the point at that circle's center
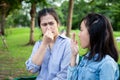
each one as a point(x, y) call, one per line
point(69, 23)
point(32, 14)
point(3, 24)
point(3, 9)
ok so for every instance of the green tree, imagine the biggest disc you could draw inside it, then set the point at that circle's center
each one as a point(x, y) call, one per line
point(18, 18)
point(7, 6)
point(115, 15)
point(109, 8)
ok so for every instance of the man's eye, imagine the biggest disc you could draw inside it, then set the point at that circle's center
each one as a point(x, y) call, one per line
point(50, 23)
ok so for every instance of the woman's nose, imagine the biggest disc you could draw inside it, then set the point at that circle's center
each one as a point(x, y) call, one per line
point(48, 26)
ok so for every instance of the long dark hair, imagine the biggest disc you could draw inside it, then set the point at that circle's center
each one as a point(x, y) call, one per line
point(101, 37)
point(46, 11)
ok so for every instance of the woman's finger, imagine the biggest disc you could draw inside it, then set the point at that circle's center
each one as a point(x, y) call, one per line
point(73, 37)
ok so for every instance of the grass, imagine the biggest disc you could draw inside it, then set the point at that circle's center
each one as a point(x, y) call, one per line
point(12, 60)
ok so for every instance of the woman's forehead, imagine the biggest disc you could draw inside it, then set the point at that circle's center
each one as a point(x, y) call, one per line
point(47, 18)
point(82, 24)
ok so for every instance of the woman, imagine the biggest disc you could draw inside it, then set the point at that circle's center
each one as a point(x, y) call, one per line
point(51, 56)
point(100, 62)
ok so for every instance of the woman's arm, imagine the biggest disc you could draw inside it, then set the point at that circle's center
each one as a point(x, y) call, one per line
point(33, 68)
point(39, 55)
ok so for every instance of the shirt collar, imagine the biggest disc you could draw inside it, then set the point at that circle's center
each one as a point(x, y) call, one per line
point(62, 36)
point(94, 58)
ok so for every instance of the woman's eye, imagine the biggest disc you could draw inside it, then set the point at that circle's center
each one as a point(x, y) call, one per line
point(50, 23)
point(44, 24)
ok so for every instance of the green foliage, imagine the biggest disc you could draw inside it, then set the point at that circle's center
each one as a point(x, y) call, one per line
point(10, 5)
point(17, 18)
point(21, 17)
point(63, 10)
point(115, 14)
point(109, 8)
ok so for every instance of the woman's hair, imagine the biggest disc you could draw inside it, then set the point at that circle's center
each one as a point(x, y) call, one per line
point(46, 11)
point(101, 37)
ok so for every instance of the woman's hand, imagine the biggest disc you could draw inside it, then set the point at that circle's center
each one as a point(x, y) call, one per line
point(74, 48)
point(74, 45)
point(48, 37)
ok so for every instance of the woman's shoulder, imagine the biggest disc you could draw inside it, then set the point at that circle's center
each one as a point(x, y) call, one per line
point(64, 37)
point(108, 58)
point(108, 61)
point(37, 43)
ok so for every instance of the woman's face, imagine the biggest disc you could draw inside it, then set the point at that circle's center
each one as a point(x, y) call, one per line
point(84, 36)
point(48, 22)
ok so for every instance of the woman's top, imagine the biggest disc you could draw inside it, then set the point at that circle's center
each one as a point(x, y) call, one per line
point(56, 60)
point(106, 69)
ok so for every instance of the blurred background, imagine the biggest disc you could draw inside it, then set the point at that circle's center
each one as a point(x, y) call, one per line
point(19, 29)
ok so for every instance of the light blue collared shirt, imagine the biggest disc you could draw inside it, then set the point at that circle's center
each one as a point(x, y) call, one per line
point(106, 69)
point(56, 60)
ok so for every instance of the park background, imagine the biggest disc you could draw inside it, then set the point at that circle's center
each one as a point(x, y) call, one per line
point(19, 29)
